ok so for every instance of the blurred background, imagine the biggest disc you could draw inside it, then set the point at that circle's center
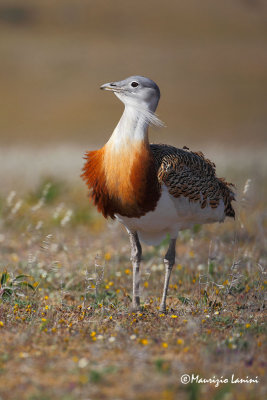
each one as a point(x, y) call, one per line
point(209, 59)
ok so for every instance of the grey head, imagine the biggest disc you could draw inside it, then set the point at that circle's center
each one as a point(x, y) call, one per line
point(136, 91)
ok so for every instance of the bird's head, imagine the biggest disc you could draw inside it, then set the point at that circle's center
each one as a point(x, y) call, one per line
point(136, 91)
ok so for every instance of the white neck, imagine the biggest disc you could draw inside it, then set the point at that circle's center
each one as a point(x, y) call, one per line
point(133, 126)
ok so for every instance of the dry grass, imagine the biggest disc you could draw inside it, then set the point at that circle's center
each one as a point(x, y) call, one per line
point(71, 335)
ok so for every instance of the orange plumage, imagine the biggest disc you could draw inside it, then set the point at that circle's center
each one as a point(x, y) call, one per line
point(122, 183)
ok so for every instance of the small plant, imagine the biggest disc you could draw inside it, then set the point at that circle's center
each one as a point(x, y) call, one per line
point(13, 285)
point(162, 366)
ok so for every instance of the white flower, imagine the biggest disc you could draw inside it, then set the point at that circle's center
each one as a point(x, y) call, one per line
point(58, 210)
point(82, 363)
point(16, 207)
point(200, 267)
point(66, 218)
point(10, 198)
point(39, 225)
point(38, 205)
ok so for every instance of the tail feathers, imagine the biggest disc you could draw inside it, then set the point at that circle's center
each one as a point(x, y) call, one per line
point(229, 211)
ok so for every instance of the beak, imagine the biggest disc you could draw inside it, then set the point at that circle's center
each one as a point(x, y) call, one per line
point(112, 86)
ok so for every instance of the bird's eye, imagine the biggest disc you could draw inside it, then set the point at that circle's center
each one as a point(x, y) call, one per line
point(134, 84)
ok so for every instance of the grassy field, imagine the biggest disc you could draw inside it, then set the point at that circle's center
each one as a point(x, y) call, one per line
point(67, 331)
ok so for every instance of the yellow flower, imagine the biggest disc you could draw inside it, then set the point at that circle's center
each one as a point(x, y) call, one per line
point(14, 257)
point(248, 326)
point(144, 342)
point(179, 266)
point(100, 305)
point(127, 271)
point(46, 297)
point(83, 379)
point(92, 286)
point(23, 355)
point(174, 316)
point(191, 254)
point(93, 333)
point(35, 284)
point(107, 287)
point(145, 284)
point(110, 317)
point(107, 256)
point(162, 315)
point(1, 323)
point(164, 345)
point(46, 307)
point(180, 341)
point(44, 319)
point(186, 349)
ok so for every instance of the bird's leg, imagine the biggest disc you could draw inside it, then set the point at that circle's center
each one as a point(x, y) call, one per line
point(169, 262)
point(136, 253)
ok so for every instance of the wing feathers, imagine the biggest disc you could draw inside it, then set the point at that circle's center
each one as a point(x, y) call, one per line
point(190, 174)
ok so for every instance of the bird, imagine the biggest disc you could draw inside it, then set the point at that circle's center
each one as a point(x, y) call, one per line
point(154, 190)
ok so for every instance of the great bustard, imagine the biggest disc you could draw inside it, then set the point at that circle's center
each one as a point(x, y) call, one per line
point(152, 189)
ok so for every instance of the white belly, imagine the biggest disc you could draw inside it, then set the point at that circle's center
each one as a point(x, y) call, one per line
point(171, 215)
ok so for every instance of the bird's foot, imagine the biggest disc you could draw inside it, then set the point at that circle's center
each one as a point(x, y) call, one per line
point(135, 308)
point(163, 309)
point(136, 305)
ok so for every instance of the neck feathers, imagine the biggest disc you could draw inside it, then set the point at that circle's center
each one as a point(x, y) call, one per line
point(133, 126)
point(122, 175)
